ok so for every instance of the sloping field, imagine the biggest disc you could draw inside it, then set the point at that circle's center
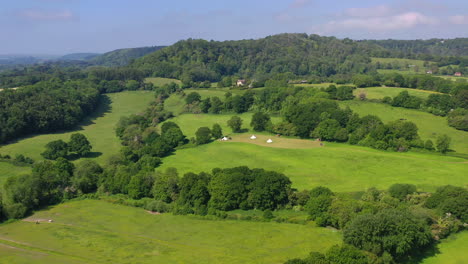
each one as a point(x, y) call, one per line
point(381, 92)
point(453, 250)
point(341, 167)
point(8, 169)
point(99, 128)
point(189, 123)
point(277, 142)
point(430, 126)
point(99, 232)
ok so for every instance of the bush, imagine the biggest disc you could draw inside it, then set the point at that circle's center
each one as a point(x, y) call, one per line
point(400, 191)
point(158, 206)
point(268, 214)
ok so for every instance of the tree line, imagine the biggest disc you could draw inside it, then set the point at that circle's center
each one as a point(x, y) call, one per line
point(45, 107)
point(385, 226)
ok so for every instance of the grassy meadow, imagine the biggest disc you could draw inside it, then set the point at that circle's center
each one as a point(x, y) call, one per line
point(159, 81)
point(91, 231)
point(98, 128)
point(8, 169)
point(430, 126)
point(342, 167)
point(452, 250)
point(381, 92)
point(189, 123)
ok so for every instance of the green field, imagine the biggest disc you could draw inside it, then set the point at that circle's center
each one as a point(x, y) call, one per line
point(99, 128)
point(175, 103)
point(158, 81)
point(453, 250)
point(341, 167)
point(405, 62)
point(99, 232)
point(189, 123)
point(8, 169)
point(430, 126)
point(381, 92)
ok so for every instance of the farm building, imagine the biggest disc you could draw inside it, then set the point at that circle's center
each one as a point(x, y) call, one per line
point(458, 74)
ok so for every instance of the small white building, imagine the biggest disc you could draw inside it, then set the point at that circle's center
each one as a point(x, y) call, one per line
point(269, 140)
point(253, 137)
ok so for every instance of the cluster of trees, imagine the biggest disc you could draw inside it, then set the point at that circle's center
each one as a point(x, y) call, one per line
point(455, 108)
point(385, 226)
point(45, 107)
point(49, 183)
point(205, 134)
point(18, 160)
point(199, 60)
point(78, 145)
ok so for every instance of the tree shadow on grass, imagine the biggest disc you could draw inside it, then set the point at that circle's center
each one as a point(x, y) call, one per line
point(104, 107)
point(73, 157)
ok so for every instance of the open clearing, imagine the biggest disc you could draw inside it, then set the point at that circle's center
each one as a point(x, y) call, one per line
point(430, 126)
point(453, 250)
point(159, 81)
point(278, 142)
point(98, 128)
point(381, 92)
point(189, 123)
point(341, 167)
point(92, 231)
point(8, 169)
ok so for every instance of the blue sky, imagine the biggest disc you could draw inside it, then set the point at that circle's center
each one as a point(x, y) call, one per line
point(67, 26)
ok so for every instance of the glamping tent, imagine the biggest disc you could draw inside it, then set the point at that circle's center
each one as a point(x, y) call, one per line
point(225, 139)
point(253, 137)
point(269, 140)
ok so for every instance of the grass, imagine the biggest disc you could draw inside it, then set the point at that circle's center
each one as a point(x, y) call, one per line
point(99, 232)
point(278, 142)
point(453, 250)
point(175, 103)
point(341, 167)
point(405, 62)
point(430, 126)
point(381, 92)
point(7, 170)
point(320, 85)
point(189, 123)
point(99, 128)
point(158, 81)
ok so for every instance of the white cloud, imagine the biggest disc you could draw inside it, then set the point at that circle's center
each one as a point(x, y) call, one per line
point(381, 23)
point(41, 15)
point(459, 20)
point(375, 11)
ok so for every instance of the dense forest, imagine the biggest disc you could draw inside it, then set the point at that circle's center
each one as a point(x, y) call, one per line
point(122, 57)
point(300, 54)
point(297, 54)
point(45, 107)
point(425, 48)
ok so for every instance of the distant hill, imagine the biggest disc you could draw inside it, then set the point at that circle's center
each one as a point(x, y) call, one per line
point(122, 57)
point(299, 54)
point(435, 47)
point(79, 56)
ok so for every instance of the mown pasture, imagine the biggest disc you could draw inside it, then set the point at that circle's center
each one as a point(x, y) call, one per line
point(91, 231)
point(341, 167)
